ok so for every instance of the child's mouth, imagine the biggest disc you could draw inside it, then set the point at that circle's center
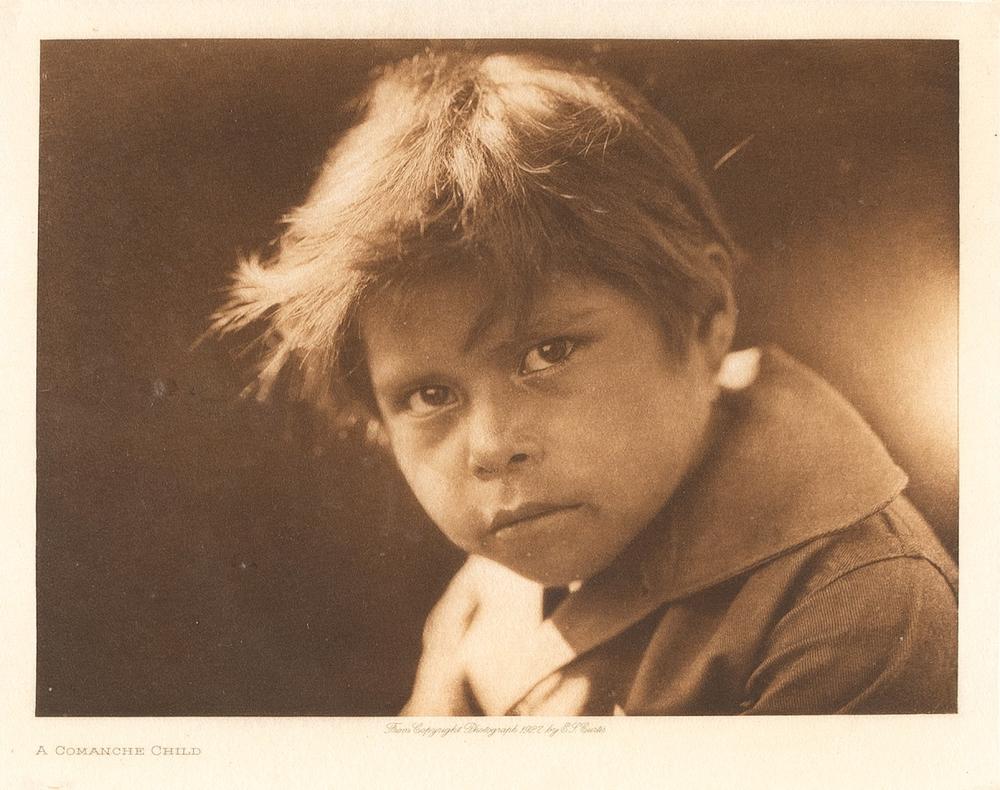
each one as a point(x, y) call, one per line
point(505, 520)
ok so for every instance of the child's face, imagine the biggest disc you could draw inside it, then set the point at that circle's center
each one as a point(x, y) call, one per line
point(545, 447)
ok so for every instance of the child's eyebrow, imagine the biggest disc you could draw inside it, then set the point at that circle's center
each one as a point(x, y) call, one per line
point(540, 323)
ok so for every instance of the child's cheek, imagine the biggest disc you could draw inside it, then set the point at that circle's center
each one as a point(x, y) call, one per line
point(431, 466)
point(594, 413)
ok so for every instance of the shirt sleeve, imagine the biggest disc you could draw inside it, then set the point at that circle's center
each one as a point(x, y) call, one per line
point(880, 638)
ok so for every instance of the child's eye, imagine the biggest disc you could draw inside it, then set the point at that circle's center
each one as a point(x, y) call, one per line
point(547, 354)
point(428, 399)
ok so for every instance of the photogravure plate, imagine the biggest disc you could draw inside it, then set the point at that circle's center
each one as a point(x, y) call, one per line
point(239, 748)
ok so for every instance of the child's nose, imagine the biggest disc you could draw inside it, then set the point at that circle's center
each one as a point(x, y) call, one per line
point(500, 442)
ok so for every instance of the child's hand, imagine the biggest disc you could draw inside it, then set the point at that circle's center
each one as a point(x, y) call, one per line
point(440, 687)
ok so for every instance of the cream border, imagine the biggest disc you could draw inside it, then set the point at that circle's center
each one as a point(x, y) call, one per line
point(950, 751)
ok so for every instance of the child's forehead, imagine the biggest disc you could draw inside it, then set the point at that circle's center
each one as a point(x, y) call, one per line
point(467, 312)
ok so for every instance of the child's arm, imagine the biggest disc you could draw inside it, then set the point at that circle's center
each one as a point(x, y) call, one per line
point(440, 687)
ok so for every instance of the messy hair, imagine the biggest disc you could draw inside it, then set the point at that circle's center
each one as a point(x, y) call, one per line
point(507, 168)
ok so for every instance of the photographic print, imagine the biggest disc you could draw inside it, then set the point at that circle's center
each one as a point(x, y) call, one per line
point(474, 377)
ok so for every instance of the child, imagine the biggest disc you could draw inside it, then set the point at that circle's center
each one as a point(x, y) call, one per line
point(515, 268)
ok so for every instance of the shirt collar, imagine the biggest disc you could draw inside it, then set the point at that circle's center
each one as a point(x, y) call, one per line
point(794, 463)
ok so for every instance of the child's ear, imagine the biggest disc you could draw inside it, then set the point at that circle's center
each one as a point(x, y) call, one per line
point(716, 336)
point(716, 329)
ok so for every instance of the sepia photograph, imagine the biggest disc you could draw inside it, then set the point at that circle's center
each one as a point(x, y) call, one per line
point(471, 377)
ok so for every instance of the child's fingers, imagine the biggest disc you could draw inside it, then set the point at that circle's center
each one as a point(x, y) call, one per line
point(450, 617)
point(439, 687)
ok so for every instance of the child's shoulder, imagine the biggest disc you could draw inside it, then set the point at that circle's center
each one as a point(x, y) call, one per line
point(802, 484)
point(794, 466)
point(894, 545)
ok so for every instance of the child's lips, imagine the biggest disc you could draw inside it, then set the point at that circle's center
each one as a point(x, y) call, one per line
point(529, 512)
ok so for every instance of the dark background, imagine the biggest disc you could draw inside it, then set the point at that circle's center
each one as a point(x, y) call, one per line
point(203, 555)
